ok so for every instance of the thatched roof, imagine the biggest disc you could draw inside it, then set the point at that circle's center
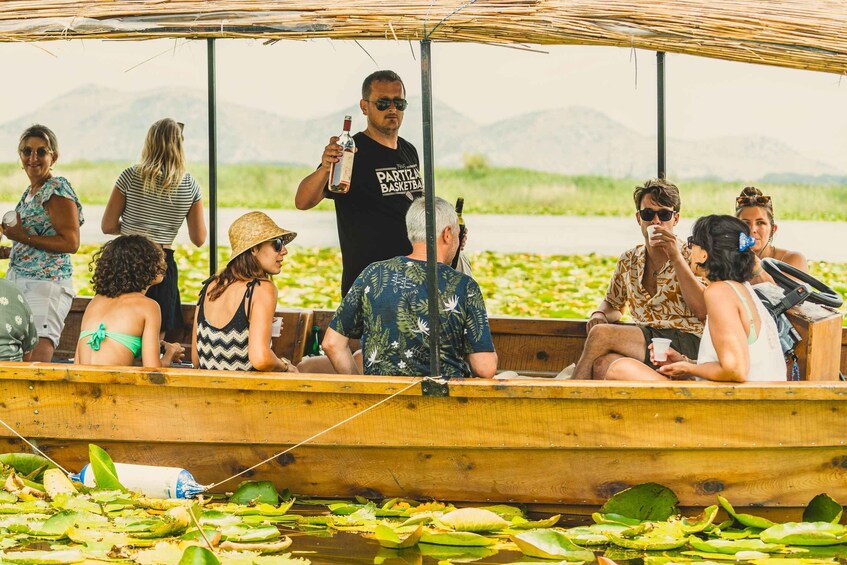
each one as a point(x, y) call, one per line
point(803, 34)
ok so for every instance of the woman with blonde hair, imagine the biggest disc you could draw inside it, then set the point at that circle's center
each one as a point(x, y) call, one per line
point(153, 198)
point(756, 210)
point(235, 311)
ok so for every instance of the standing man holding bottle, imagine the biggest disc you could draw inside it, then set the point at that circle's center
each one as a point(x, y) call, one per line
point(386, 179)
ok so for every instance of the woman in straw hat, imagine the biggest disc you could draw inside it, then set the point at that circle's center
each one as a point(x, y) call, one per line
point(232, 325)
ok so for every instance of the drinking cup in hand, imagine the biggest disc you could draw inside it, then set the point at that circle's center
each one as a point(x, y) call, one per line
point(10, 218)
point(660, 348)
point(276, 327)
point(650, 231)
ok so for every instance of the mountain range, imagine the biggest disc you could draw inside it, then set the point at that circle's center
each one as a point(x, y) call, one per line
point(96, 123)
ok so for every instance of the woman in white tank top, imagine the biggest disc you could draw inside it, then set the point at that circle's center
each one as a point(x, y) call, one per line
point(740, 341)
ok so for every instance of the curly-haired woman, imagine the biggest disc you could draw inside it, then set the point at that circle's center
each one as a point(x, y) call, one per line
point(154, 198)
point(120, 323)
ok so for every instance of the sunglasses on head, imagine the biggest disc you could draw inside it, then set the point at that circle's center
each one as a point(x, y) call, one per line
point(384, 104)
point(278, 243)
point(690, 242)
point(40, 152)
point(647, 214)
point(753, 200)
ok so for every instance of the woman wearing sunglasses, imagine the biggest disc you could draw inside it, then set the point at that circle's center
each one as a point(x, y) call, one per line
point(120, 323)
point(154, 198)
point(235, 311)
point(756, 210)
point(44, 230)
point(740, 341)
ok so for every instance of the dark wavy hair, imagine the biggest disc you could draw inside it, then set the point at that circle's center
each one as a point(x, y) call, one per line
point(244, 267)
point(129, 263)
point(718, 235)
point(664, 192)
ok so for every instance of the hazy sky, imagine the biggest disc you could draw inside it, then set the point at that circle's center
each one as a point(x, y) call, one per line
point(706, 98)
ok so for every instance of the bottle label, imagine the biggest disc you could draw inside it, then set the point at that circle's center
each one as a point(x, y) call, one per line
point(341, 173)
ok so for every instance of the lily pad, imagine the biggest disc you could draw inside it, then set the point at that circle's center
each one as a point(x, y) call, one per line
point(651, 536)
point(390, 538)
point(27, 464)
point(196, 555)
point(473, 520)
point(806, 533)
point(43, 557)
point(595, 534)
point(462, 539)
point(520, 523)
point(454, 554)
point(56, 482)
point(600, 518)
point(253, 492)
point(701, 521)
point(105, 475)
point(745, 519)
point(823, 508)
point(648, 501)
point(264, 547)
point(731, 547)
point(550, 544)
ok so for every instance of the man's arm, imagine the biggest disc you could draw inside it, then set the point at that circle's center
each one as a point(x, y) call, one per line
point(336, 347)
point(691, 287)
point(483, 364)
point(604, 314)
point(311, 189)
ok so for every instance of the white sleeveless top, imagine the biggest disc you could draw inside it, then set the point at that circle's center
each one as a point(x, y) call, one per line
point(766, 360)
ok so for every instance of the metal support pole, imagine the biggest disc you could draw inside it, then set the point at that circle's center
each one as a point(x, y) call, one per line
point(660, 101)
point(213, 158)
point(429, 196)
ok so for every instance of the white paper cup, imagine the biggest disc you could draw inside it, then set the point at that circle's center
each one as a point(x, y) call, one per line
point(660, 348)
point(650, 231)
point(276, 327)
point(10, 218)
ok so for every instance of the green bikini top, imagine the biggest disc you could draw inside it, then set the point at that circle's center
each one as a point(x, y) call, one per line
point(131, 342)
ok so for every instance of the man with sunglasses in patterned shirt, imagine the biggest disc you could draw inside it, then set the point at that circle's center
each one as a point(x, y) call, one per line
point(371, 217)
point(655, 281)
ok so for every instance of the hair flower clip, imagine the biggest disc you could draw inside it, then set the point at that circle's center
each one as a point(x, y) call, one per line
point(745, 242)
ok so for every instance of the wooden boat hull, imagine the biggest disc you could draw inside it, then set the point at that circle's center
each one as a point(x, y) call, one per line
point(543, 442)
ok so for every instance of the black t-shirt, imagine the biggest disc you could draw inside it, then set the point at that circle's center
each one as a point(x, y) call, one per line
point(371, 217)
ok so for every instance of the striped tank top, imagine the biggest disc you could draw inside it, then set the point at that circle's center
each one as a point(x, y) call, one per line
point(225, 348)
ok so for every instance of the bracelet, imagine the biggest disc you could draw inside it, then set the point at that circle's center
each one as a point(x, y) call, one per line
point(29, 240)
point(591, 315)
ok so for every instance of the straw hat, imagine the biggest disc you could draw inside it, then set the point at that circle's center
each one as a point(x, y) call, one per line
point(252, 229)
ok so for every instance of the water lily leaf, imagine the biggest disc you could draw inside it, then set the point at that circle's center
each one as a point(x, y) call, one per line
point(651, 536)
point(410, 556)
point(253, 492)
point(792, 561)
point(737, 534)
point(731, 547)
point(550, 544)
point(26, 464)
point(196, 555)
point(704, 557)
point(744, 519)
point(455, 554)
point(264, 509)
point(57, 525)
point(614, 519)
point(27, 507)
point(264, 548)
point(390, 538)
point(521, 523)
point(105, 475)
point(823, 508)
point(420, 518)
point(505, 511)
point(56, 482)
point(595, 534)
point(806, 533)
point(43, 557)
point(174, 522)
point(648, 501)
point(463, 539)
point(218, 518)
point(700, 522)
point(66, 501)
point(473, 520)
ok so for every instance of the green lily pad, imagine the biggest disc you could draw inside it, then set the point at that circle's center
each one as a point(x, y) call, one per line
point(454, 554)
point(731, 547)
point(823, 508)
point(505, 511)
point(462, 539)
point(196, 555)
point(521, 523)
point(245, 535)
point(550, 544)
point(390, 538)
point(473, 520)
point(651, 536)
point(792, 561)
point(806, 533)
point(745, 519)
point(105, 475)
point(648, 501)
point(26, 464)
point(253, 492)
point(701, 521)
point(595, 534)
point(600, 518)
point(174, 522)
point(42, 557)
point(218, 518)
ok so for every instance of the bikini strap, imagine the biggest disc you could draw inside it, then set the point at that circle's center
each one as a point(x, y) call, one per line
point(751, 333)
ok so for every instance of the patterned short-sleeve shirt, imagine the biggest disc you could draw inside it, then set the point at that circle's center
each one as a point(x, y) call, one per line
point(17, 325)
point(33, 263)
point(667, 309)
point(387, 308)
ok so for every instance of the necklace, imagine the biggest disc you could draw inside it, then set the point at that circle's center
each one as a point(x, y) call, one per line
point(762, 253)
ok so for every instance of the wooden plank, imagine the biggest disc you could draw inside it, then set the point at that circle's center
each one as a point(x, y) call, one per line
point(770, 477)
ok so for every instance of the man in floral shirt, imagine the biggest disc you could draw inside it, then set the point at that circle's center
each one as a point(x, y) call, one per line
point(387, 308)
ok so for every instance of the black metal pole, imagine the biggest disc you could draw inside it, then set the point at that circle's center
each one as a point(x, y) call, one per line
point(660, 101)
point(213, 159)
point(429, 196)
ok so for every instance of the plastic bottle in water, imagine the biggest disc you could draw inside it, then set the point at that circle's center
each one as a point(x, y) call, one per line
point(150, 480)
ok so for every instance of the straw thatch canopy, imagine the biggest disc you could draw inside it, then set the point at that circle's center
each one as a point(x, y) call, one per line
point(803, 34)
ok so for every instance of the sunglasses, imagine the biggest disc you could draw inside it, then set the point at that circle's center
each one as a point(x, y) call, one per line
point(690, 242)
point(384, 104)
point(753, 200)
point(278, 243)
point(40, 152)
point(647, 214)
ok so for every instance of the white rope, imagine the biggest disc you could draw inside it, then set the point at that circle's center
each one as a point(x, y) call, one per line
point(29, 443)
point(317, 435)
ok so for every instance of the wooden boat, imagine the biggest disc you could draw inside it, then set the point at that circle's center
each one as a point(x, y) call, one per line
point(538, 441)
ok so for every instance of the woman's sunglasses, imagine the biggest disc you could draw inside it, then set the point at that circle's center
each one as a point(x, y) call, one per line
point(40, 152)
point(690, 242)
point(753, 200)
point(648, 214)
point(278, 243)
point(384, 104)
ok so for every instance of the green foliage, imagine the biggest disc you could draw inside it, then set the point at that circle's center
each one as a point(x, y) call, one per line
point(823, 508)
point(253, 492)
point(649, 501)
point(103, 468)
point(475, 163)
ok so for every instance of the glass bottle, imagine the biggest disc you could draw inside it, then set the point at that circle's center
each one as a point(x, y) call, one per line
point(341, 172)
point(460, 204)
